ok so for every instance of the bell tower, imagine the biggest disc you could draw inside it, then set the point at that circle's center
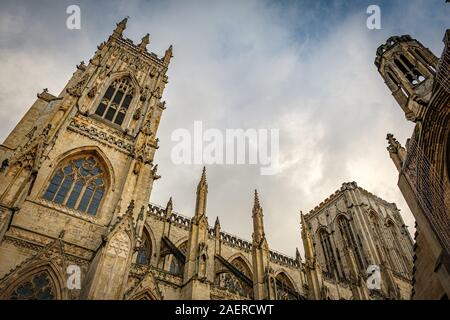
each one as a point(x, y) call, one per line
point(408, 69)
point(82, 163)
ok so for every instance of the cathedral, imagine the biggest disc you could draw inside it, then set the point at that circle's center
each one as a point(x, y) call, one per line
point(420, 83)
point(77, 173)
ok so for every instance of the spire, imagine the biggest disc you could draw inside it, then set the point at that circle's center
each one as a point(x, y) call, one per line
point(203, 183)
point(168, 55)
point(169, 207)
point(217, 223)
point(258, 223)
point(202, 191)
point(144, 42)
point(120, 27)
point(396, 151)
point(256, 204)
point(217, 227)
point(308, 243)
point(298, 257)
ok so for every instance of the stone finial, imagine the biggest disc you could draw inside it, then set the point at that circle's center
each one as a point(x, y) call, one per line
point(217, 223)
point(120, 27)
point(130, 207)
point(168, 55)
point(256, 203)
point(169, 208)
point(144, 42)
point(298, 257)
point(202, 183)
point(396, 151)
point(394, 145)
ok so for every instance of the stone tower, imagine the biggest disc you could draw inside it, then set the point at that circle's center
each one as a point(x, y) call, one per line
point(82, 162)
point(262, 273)
point(420, 83)
point(196, 284)
point(408, 69)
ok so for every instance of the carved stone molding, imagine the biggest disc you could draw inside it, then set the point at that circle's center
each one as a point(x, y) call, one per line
point(101, 136)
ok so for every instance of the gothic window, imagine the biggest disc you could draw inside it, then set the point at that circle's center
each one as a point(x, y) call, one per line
point(378, 236)
point(396, 249)
point(116, 101)
point(328, 253)
point(410, 71)
point(176, 267)
point(78, 184)
point(285, 288)
point(38, 287)
point(349, 239)
point(242, 266)
point(424, 60)
point(145, 251)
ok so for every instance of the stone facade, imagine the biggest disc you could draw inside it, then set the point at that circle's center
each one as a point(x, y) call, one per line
point(76, 179)
point(420, 83)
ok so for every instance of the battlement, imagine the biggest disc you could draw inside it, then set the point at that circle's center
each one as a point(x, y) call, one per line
point(184, 222)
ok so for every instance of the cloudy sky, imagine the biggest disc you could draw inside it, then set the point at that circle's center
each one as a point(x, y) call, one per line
point(303, 67)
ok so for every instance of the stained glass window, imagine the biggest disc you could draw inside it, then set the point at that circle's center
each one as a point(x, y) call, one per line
point(145, 251)
point(78, 184)
point(114, 105)
point(39, 287)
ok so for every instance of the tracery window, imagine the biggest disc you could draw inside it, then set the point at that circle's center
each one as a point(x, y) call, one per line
point(176, 267)
point(38, 287)
point(285, 289)
point(349, 239)
point(328, 253)
point(78, 184)
point(116, 101)
point(145, 250)
point(396, 252)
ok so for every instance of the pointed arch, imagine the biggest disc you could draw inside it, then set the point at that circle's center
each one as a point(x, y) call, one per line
point(343, 223)
point(285, 286)
point(145, 250)
point(152, 240)
point(283, 273)
point(80, 181)
point(40, 281)
point(95, 151)
point(241, 263)
point(117, 99)
point(326, 245)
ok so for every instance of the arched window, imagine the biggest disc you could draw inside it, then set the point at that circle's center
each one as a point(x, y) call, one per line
point(78, 184)
point(242, 266)
point(349, 239)
point(145, 250)
point(285, 288)
point(114, 105)
point(37, 287)
point(328, 253)
point(396, 250)
point(176, 267)
point(377, 233)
